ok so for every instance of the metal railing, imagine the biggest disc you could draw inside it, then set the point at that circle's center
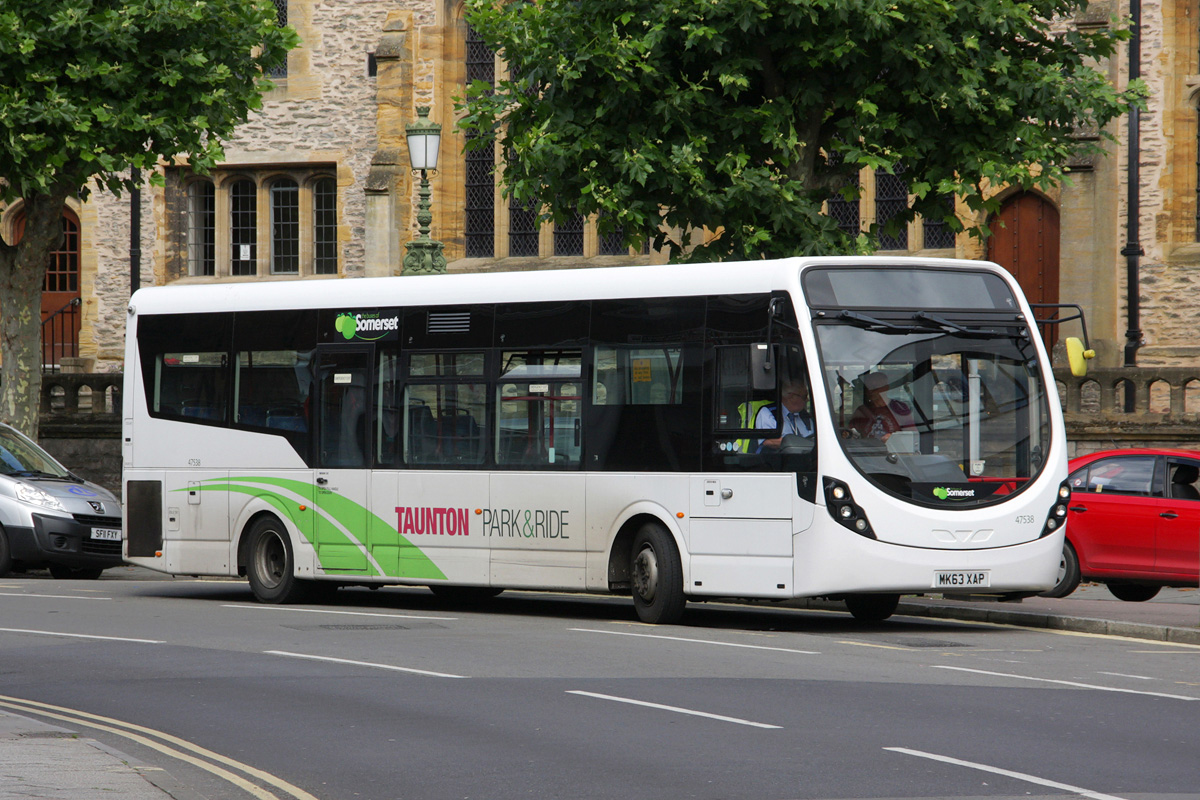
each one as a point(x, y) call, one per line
point(60, 337)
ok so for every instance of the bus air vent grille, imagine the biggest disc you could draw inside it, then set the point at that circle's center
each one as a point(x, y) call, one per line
point(450, 322)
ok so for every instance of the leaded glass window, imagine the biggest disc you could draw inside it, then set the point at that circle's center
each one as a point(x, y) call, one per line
point(285, 227)
point(325, 259)
point(201, 228)
point(243, 228)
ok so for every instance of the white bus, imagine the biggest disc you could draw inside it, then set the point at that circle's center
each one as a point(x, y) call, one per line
point(598, 430)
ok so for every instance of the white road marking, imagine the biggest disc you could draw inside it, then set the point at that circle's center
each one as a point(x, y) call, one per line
point(1123, 675)
point(1069, 683)
point(82, 636)
point(363, 664)
point(328, 611)
point(1021, 776)
point(696, 641)
point(51, 596)
point(675, 709)
point(880, 646)
point(142, 736)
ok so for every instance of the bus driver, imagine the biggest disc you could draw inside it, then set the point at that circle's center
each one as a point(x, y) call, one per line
point(797, 420)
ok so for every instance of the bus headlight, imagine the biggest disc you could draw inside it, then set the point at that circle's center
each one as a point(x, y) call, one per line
point(1058, 512)
point(841, 507)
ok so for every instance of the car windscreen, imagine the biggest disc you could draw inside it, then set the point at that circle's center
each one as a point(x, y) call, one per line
point(21, 457)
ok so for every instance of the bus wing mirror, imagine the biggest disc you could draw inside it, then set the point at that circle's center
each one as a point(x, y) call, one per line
point(762, 367)
point(1078, 356)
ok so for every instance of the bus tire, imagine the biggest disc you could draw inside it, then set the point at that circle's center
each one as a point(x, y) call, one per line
point(1133, 592)
point(656, 576)
point(6, 562)
point(1068, 573)
point(872, 607)
point(271, 566)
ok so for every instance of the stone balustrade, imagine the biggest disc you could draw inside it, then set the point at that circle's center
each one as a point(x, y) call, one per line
point(90, 395)
point(1163, 403)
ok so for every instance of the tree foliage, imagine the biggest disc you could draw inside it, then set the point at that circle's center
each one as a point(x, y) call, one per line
point(747, 114)
point(92, 88)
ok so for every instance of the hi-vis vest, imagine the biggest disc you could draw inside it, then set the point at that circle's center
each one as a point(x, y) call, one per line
point(747, 413)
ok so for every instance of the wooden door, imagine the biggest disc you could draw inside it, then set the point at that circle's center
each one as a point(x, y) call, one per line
point(1024, 241)
point(60, 293)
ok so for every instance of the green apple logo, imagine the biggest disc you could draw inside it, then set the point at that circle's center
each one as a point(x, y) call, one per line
point(346, 325)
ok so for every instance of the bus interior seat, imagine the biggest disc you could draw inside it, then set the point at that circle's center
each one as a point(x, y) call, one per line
point(422, 433)
point(288, 419)
point(200, 411)
point(252, 415)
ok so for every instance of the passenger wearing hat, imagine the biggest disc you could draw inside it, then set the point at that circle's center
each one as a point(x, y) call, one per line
point(874, 419)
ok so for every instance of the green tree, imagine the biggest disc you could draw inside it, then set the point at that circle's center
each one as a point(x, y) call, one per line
point(90, 89)
point(747, 114)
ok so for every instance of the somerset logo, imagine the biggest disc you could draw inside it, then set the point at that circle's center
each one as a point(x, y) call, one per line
point(367, 327)
point(945, 493)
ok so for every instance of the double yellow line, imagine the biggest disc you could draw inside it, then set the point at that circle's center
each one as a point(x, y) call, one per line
point(223, 767)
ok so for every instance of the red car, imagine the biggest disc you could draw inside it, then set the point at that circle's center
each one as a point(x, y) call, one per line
point(1133, 523)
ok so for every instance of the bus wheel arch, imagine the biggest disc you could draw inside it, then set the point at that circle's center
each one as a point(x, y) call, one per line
point(620, 552)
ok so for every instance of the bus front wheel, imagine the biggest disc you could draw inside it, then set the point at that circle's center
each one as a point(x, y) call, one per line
point(656, 575)
point(872, 607)
point(271, 567)
point(1068, 574)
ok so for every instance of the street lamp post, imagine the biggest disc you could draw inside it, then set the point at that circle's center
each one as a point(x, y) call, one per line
point(424, 254)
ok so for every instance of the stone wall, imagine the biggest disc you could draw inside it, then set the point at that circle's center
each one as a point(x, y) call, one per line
point(80, 425)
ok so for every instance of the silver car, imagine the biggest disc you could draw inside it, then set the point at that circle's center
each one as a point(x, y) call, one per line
point(50, 517)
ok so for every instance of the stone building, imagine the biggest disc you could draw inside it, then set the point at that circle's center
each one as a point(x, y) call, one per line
point(317, 186)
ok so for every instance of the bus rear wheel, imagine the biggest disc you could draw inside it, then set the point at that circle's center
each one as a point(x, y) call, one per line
point(872, 607)
point(271, 566)
point(656, 576)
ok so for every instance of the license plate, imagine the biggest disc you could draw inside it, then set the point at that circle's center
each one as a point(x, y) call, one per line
point(107, 534)
point(962, 579)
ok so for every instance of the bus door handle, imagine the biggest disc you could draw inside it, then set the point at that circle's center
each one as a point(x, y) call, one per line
point(322, 481)
point(1079, 509)
point(726, 494)
point(577, 433)
point(1169, 514)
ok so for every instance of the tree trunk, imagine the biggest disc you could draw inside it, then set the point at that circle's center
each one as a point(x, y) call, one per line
point(22, 275)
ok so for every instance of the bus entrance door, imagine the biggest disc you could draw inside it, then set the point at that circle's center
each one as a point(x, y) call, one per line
point(343, 431)
point(740, 535)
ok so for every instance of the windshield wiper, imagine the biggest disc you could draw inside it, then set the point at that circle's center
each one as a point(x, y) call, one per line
point(854, 316)
point(925, 316)
point(32, 473)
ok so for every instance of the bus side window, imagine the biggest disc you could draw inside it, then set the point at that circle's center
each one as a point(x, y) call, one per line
point(445, 409)
point(538, 419)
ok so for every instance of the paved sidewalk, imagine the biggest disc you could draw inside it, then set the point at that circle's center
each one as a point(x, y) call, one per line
point(1172, 616)
point(45, 762)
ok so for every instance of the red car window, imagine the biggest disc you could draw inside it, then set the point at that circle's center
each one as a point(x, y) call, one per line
point(1123, 475)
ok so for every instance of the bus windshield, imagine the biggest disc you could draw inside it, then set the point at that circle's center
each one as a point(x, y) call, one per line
point(950, 413)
